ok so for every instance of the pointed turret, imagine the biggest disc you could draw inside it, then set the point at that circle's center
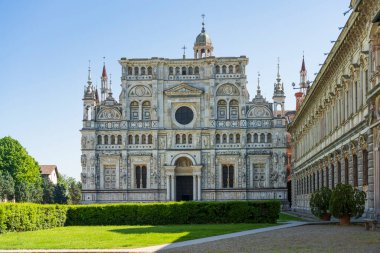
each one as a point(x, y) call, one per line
point(278, 94)
point(303, 76)
point(89, 98)
point(258, 93)
point(104, 83)
point(303, 85)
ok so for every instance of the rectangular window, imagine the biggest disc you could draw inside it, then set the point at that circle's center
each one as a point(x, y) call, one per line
point(228, 176)
point(140, 172)
point(109, 177)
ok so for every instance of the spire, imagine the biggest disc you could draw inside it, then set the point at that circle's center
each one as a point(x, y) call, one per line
point(278, 70)
point(184, 52)
point(303, 68)
point(278, 86)
point(303, 75)
point(203, 23)
point(104, 82)
point(104, 72)
point(89, 81)
point(109, 91)
point(258, 82)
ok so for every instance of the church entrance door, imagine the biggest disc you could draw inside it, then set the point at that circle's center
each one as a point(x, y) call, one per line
point(184, 188)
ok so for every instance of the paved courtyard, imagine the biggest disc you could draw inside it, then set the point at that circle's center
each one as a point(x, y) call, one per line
point(308, 238)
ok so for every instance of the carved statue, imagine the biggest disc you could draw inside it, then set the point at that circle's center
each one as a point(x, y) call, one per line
point(83, 160)
point(83, 142)
point(83, 176)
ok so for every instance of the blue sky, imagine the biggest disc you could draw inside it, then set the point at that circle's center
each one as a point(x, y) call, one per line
point(45, 47)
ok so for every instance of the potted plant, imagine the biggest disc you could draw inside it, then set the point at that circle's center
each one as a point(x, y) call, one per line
point(347, 202)
point(320, 202)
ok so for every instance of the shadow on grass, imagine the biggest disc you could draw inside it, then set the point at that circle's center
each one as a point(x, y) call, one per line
point(192, 231)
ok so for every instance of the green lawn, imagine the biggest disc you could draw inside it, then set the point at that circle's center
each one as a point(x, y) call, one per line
point(101, 237)
point(286, 217)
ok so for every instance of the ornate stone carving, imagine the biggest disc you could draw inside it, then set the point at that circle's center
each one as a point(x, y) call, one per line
point(109, 114)
point(227, 90)
point(183, 90)
point(140, 91)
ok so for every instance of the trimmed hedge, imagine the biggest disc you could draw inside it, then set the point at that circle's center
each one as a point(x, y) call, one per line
point(174, 213)
point(28, 217)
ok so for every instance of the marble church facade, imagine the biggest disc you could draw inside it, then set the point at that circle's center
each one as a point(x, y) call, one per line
point(183, 129)
point(335, 132)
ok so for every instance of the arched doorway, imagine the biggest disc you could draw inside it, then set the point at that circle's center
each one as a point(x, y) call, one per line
point(184, 179)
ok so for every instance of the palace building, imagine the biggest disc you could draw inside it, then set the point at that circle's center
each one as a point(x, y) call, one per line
point(336, 130)
point(183, 129)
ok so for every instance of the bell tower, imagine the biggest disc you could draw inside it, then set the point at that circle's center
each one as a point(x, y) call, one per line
point(278, 95)
point(203, 45)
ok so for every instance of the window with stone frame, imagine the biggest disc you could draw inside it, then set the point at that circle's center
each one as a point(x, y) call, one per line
point(140, 176)
point(109, 177)
point(222, 110)
point(146, 110)
point(234, 109)
point(258, 174)
point(217, 138)
point(134, 110)
point(228, 175)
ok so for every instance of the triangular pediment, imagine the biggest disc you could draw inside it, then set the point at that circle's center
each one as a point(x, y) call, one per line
point(183, 90)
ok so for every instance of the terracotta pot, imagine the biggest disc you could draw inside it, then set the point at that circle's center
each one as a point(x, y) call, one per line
point(326, 216)
point(345, 220)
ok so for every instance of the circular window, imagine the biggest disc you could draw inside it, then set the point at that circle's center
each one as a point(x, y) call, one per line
point(184, 115)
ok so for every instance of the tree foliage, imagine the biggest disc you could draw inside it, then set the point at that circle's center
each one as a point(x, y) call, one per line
point(24, 170)
point(48, 191)
point(7, 186)
point(346, 200)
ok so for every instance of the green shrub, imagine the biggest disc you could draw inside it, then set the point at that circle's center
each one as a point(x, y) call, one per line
point(346, 200)
point(320, 202)
point(174, 213)
point(28, 217)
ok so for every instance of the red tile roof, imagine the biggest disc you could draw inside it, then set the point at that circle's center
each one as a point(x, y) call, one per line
point(47, 169)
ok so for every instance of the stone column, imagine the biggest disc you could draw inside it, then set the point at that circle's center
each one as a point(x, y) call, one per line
point(199, 187)
point(168, 188)
point(173, 187)
point(170, 182)
point(194, 187)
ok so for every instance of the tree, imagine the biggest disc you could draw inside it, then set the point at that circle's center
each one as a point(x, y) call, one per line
point(75, 190)
point(61, 194)
point(48, 191)
point(7, 186)
point(23, 169)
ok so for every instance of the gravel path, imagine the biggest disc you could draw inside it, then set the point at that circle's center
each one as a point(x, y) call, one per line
point(310, 238)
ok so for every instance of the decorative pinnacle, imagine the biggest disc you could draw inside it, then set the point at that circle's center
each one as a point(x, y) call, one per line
point(184, 51)
point(110, 83)
point(203, 23)
point(89, 72)
point(278, 70)
point(258, 81)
